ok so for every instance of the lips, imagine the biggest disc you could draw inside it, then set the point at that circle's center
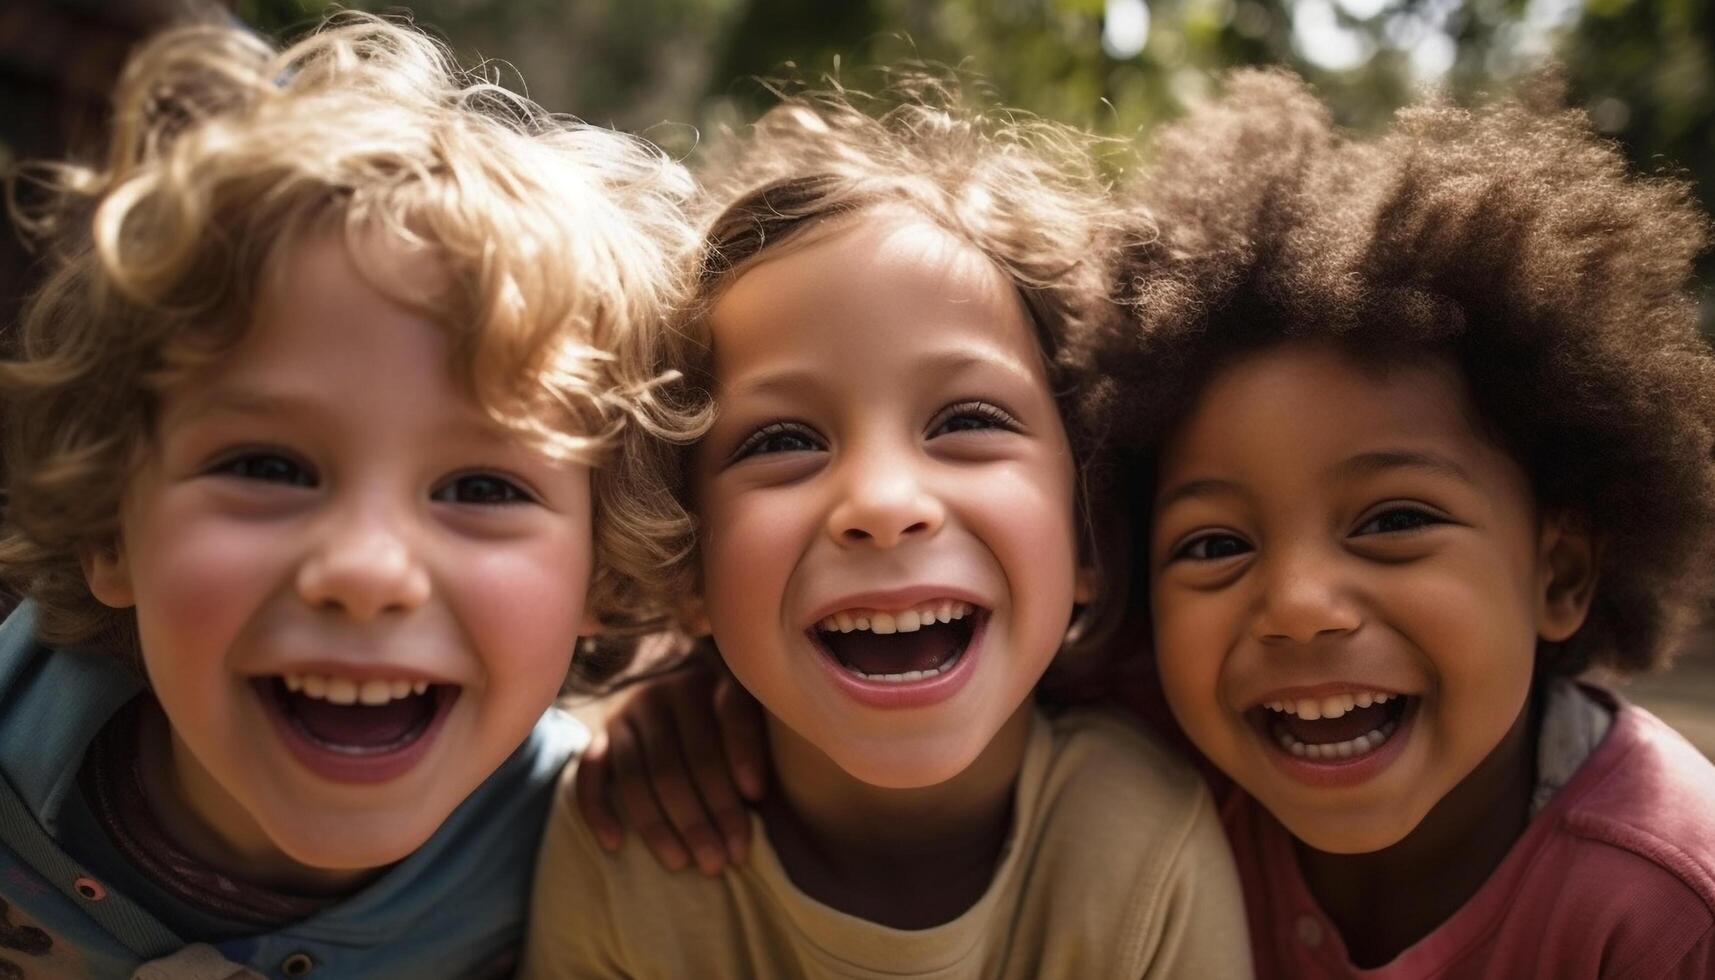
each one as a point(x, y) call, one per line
point(1348, 725)
point(1351, 747)
point(899, 647)
point(360, 728)
point(356, 742)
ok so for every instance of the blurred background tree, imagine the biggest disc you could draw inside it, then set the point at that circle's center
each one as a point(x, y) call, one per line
point(1644, 69)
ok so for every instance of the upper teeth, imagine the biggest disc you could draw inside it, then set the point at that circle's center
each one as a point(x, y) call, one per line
point(1334, 706)
point(911, 620)
point(344, 690)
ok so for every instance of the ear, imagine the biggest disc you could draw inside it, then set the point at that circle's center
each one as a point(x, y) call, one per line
point(694, 616)
point(1086, 585)
point(1567, 554)
point(108, 575)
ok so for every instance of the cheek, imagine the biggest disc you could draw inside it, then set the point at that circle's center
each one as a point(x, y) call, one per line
point(1473, 622)
point(198, 577)
point(523, 605)
point(749, 548)
point(1026, 515)
point(1191, 634)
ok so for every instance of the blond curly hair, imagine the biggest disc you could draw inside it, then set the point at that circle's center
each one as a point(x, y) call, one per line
point(565, 246)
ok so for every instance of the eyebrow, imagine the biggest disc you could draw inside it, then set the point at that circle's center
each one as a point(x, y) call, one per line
point(284, 404)
point(1196, 489)
point(1367, 464)
point(236, 401)
point(939, 362)
point(1363, 464)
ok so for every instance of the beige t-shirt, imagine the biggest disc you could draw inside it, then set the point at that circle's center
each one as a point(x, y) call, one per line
point(1115, 867)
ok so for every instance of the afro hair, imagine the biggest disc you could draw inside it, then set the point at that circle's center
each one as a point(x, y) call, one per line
point(1508, 239)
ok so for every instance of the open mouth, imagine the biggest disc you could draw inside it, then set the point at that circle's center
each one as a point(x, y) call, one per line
point(900, 647)
point(1338, 728)
point(370, 718)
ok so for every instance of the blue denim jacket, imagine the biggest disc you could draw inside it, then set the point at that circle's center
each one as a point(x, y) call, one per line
point(454, 908)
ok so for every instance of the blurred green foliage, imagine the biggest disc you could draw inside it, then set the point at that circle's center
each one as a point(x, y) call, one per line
point(1645, 69)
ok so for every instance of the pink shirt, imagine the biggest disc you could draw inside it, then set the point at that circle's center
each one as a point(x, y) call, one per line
point(1615, 877)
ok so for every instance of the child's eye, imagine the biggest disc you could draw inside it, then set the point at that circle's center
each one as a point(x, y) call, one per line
point(777, 437)
point(972, 417)
point(1212, 547)
point(480, 488)
point(266, 467)
point(1397, 519)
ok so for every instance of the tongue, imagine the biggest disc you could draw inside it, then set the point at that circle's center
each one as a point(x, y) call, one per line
point(361, 726)
point(895, 653)
point(1358, 721)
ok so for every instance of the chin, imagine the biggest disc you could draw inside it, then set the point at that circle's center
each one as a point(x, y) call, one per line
point(915, 766)
point(1351, 835)
point(334, 843)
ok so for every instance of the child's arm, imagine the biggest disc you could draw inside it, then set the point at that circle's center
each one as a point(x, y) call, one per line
point(679, 757)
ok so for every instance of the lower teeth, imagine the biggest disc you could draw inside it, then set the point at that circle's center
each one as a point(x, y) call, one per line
point(910, 675)
point(1363, 744)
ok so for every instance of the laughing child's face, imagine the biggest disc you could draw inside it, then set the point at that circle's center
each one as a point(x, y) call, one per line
point(355, 593)
point(886, 498)
point(1348, 583)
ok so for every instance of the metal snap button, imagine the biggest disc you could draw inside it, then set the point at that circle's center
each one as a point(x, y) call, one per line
point(297, 965)
point(90, 889)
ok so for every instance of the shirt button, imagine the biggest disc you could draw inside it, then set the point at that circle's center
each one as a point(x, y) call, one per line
point(90, 889)
point(297, 965)
point(1309, 931)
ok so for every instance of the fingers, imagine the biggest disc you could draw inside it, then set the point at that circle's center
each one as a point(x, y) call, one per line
point(743, 735)
point(673, 781)
point(677, 761)
point(630, 784)
point(700, 743)
point(590, 793)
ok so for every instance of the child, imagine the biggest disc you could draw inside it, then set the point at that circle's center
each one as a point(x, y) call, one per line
point(1436, 435)
point(1428, 428)
point(891, 532)
point(301, 425)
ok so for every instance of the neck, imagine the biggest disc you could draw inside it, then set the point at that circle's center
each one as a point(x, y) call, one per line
point(197, 813)
point(906, 858)
point(1385, 901)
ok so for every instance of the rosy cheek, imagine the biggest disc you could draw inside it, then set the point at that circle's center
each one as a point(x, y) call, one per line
point(522, 606)
point(751, 541)
point(1026, 509)
point(204, 574)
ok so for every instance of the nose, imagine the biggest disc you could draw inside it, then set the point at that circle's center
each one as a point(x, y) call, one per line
point(363, 566)
point(1305, 598)
point(883, 502)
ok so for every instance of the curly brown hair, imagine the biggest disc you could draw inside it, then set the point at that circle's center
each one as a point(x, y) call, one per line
point(565, 247)
point(1029, 194)
point(1508, 239)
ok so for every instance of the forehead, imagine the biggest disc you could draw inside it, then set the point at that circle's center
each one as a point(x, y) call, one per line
point(1300, 409)
point(322, 334)
point(881, 283)
point(327, 297)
